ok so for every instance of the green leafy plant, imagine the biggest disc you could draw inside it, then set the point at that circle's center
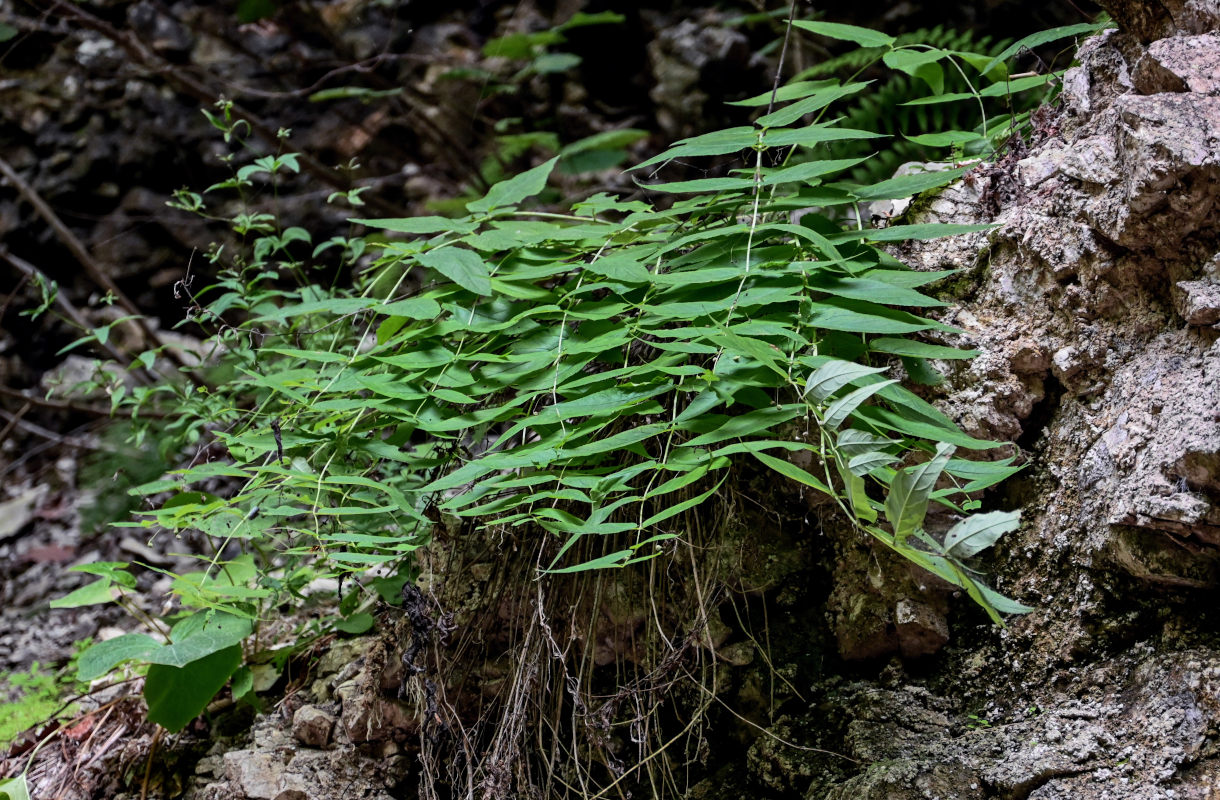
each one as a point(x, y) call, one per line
point(585, 375)
point(946, 89)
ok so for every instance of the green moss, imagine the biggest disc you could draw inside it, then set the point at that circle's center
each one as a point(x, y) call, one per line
point(27, 699)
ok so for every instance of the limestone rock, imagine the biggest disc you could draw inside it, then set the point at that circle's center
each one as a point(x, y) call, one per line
point(312, 726)
point(1180, 64)
point(1199, 301)
point(1150, 21)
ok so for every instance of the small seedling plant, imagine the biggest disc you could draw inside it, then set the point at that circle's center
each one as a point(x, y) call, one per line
point(585, 375)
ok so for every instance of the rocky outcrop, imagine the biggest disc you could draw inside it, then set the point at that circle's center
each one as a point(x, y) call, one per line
point(1095, 303)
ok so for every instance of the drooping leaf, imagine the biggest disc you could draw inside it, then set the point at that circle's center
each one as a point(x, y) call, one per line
point(834, 375)
point(907, 501)
point(815, 102)
point(837, 412)
point(790, 470)
point(979, 531)
point(901, 233)
point(176, 695)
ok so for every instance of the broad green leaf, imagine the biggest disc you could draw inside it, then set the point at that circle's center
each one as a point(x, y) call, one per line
point(858, 316)
point(620, 267)
point(243, 682)
point(101, 590)
point(921, 429)
point(857, 497)
point(872, 291)
point(979, 531)
point(414, 308)
point(864, 37)
point(14, 788)
point(616, 559)
point(907, 501)
point(362, 559)
point(211, 633)
point(806, 172)
point(919, 64)
point(869, 460)
point(116, 570)
point(101, 657)
point(358, 623)
point(999, 89)
point(853, 442)
point(615, 442)
point(1001, 603)
point(766, 354)
point(812, 135)
point(616, 401)
point(605, 140)
point(389, 386)
point(678, 508)
point(685, 478)
point(514, 190)
point(702, 185)
point(717, 143)
point(982, 474)
point(422, 356)
point(337, 306)
point(176, 695)
point(462, 266)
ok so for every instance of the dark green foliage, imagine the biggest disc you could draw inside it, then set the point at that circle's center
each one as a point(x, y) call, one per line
point(584, 375)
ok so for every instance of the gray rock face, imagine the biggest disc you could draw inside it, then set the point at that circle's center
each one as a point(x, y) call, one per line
point(1095, 305)
point(1145, 718)
point(1157, 20)
point(312, 726)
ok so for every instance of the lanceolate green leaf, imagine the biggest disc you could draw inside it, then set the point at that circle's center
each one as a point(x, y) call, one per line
point(583, 376)
point(838, 411)
point(979, 531)
point(907, 502)
point(1041, 38)
point(515, 189)
point(833, 375)
point(815, 102)
point(864, 37)
point(909, 185)
point(790, 470)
